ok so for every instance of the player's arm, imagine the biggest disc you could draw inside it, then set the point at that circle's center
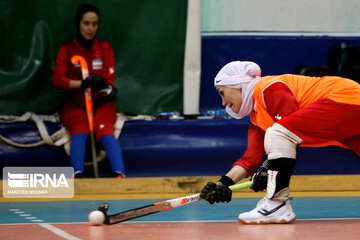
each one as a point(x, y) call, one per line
point(109, 64)
point(93, 80)
point(243, 167)
point(106, 91)
point(236, 173)
point(279, 100)
point(59, 74)
point(75, 84)
point(252, 157)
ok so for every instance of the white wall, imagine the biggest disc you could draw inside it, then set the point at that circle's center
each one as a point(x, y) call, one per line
point(281, 15)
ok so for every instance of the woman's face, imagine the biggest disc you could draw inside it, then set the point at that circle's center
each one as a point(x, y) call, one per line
point(89, 25)
point(231, 97)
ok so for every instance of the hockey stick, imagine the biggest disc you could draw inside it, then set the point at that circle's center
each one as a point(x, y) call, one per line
point(77, 59)
point(157, 207)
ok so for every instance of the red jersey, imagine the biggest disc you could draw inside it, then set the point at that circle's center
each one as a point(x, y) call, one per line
point(100, 60)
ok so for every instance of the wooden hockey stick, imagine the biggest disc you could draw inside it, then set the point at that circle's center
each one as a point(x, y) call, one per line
point(77, 59)
point(157, 207)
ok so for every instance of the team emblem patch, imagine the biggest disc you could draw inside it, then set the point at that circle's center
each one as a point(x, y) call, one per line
point(97, 64)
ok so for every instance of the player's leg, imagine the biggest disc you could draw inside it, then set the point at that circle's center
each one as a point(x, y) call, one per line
point(323, 121)
point(77, 153)
point(75, 120)
point(320, 122)
point(105, 118)
point(113, 151)
point(280, 145)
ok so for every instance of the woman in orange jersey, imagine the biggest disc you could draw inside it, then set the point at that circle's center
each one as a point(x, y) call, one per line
point(285, 111)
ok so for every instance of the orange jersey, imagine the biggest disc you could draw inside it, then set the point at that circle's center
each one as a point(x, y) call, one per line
point(306, 90)
point(309, 89)
point(321, 111)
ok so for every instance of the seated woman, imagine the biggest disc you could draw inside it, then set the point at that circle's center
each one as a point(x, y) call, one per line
point(99, 56)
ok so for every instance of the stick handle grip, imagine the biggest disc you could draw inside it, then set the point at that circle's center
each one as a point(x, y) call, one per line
point(240, 186)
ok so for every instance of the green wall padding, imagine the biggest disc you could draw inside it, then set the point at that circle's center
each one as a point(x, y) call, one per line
point(148, 37)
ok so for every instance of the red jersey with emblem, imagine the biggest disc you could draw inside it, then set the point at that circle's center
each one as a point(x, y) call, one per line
point(321, 111)
point(100, 60)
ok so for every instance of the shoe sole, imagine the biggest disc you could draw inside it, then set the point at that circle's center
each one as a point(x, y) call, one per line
point(282, 221)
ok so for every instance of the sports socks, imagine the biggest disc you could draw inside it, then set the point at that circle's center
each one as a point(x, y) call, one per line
point(77, 151)
point(114, 153)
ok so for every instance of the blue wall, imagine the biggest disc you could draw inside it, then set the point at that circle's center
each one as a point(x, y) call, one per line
point(274, 54)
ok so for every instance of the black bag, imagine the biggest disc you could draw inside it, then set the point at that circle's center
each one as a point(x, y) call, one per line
point(345, 61)
point(320, 71)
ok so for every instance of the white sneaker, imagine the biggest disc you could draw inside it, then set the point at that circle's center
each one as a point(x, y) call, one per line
point(269, 211)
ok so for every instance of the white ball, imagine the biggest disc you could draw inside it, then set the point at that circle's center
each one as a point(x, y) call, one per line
point(96, 217)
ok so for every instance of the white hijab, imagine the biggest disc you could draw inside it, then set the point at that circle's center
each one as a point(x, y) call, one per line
point(242, 75)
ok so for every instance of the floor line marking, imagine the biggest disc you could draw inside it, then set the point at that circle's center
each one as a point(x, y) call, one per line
point(37, 220)
point(26, 215)
point(58, 231)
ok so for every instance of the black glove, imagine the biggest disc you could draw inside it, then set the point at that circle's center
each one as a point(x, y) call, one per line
point(103, 93)
point(259, 179)
point(93, 80)
point(218, 192)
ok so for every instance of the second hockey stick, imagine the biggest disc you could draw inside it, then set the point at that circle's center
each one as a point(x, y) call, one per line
point(77, 59)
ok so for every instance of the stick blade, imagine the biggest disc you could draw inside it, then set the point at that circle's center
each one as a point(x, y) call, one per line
point(133, 213)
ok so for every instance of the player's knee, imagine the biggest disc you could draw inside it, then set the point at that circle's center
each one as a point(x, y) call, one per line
point(280, 142)
point(103, 130)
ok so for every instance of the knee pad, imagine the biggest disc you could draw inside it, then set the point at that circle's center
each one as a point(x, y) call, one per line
point(279, 142)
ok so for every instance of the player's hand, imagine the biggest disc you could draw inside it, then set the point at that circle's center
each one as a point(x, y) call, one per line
point(93, 80)
point(219, 191)
point(103, 93)
point(259, 179)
